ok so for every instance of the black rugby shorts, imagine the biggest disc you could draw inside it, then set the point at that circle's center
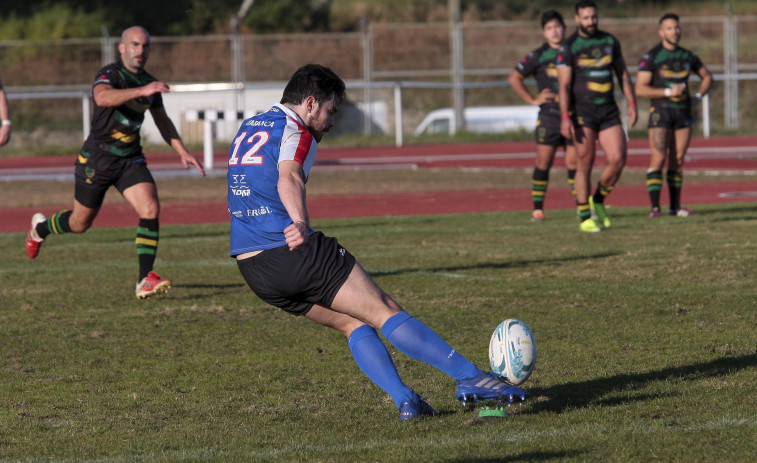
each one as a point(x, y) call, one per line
point(597, 117)
point(97, 173)
point(548, 130)
point(670, 118)
point(295, 280)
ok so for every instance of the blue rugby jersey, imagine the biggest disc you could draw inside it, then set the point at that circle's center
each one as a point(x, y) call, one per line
point(258, 217)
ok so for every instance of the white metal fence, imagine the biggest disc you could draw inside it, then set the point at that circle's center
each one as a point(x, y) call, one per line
point(410, 68)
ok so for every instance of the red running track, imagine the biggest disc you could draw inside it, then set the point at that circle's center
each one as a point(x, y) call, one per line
point(716, 155)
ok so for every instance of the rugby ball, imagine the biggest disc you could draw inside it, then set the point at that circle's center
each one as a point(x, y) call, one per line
point(512, 351)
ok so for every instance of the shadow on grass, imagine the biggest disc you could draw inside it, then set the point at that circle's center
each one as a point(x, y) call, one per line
point(525, 456)
point(583, 394)
point(496, 265)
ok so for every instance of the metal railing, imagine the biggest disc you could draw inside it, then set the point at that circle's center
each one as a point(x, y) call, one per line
point(462, 63)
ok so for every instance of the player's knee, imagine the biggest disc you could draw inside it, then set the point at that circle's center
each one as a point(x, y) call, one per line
point(79, 226)
point(150, 210)
point(616, 162)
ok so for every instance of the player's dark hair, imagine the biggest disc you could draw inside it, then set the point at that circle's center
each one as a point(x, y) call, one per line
point(669, 16)
point(551, 15)
point(586, 4)
point(316, 80)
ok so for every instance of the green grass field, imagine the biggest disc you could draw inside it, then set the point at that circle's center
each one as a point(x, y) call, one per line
point(647, 338)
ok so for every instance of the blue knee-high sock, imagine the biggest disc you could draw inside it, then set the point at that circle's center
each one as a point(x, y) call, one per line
point(418, 341)
point(374, 360)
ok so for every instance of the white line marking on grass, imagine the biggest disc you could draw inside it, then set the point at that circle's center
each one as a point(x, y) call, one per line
point(457, 275)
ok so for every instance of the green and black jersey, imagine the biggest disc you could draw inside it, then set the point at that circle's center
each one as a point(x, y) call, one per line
point(593, 60)
point(115, 130)
point(541, 63)
point(668, 68)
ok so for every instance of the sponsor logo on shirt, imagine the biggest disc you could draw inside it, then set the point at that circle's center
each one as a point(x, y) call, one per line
point(255, 123)
point(262, 210)
point(238, 185)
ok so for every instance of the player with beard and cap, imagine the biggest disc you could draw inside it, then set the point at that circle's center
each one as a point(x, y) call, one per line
point(585, 66)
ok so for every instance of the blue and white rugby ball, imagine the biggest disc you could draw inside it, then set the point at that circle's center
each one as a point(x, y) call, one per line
point(512, 351)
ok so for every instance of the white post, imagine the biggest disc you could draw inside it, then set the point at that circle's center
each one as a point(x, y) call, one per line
point(706, 116)
point(398, 114)
point(458, 77)
point(85, 121)
point(207, 144)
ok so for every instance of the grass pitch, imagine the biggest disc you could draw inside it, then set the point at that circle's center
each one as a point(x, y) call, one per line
point(646, 334)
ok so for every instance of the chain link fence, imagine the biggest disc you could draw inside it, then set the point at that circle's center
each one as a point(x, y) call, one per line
point(45, 79)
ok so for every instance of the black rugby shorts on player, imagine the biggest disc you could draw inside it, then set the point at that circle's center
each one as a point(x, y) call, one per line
point(295, 280)
point(597, 117)
point(548, 130)
point(98, 172)
point(669, 118)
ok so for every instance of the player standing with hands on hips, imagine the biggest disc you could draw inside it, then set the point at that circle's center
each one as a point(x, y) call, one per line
point(541, 63)
point(305, 273)
point(585, 67)
point(112, 155)
point(663, 76)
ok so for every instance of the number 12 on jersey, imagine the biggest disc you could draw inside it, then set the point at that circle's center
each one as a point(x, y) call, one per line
point(250, 158)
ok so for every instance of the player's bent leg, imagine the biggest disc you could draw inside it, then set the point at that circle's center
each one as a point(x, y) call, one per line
point(373, 359)
point(82, 217)
point(77, 220)
point(361, 298)
point(341, 322)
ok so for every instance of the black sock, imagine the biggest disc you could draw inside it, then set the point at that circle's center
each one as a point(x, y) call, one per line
point(675, 182)
point(584, 212)
point(654, 186)
point(601, 193)
point(147, 245)
point(55, 224)
point(572, 181)
point(539, 182)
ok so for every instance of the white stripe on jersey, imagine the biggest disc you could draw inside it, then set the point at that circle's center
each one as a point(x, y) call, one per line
point(297, 144)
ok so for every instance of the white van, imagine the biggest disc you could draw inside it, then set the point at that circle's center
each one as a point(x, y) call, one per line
point(481, 119)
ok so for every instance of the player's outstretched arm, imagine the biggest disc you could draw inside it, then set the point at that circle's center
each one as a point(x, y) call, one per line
point(108, 97)
point(171, 136)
